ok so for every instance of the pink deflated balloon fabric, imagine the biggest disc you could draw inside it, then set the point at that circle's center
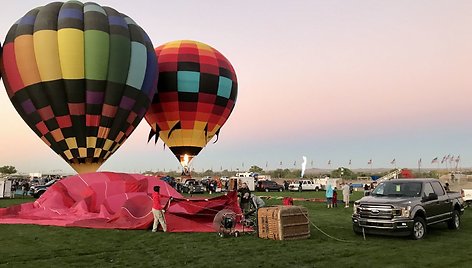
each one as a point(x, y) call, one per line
point(109, 200)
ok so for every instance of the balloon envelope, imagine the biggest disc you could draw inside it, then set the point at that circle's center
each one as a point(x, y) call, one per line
point(196, 93)
point(81, 76)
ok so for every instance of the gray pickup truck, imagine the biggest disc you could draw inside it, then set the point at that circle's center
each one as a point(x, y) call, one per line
point(407, 207)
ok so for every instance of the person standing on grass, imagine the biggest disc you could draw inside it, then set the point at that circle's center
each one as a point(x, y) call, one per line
point(13, 190)
point(158, 210)
point(335, 198)
point(329, 196)
point(366, 189)
point(25, 188)
point(346, 192)
point(245, 197)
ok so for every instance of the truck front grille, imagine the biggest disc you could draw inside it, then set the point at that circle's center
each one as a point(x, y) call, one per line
point(375, 212)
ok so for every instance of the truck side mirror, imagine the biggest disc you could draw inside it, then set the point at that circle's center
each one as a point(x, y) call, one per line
point(431, 196)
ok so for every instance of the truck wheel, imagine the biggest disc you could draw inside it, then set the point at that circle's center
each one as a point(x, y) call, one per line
point(267, 189)
point(281, 190)
point(317, 189)
point(419, 228)
point(455, 222)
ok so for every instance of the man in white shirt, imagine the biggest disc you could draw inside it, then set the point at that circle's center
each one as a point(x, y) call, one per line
point(346, 192)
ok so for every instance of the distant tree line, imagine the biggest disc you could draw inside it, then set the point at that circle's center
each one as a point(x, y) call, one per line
point(341, 172)
point(8, 170)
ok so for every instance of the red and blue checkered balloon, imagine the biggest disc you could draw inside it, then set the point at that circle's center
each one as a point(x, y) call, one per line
point(196, 93)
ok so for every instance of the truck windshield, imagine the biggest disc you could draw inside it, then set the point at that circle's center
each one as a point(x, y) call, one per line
point(406, 188)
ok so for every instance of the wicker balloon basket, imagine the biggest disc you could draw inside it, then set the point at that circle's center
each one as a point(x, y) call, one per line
point(283, 223)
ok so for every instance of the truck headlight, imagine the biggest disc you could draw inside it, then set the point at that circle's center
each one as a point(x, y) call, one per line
point(405, 212)
point(355, 207)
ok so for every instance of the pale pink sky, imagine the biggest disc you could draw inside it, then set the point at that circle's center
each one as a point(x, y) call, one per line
point(331, 80)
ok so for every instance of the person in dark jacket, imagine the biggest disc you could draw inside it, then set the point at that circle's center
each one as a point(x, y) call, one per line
point(245, 197)
point(286, 184)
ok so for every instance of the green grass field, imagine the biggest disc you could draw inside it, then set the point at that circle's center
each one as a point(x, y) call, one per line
point(42, 246)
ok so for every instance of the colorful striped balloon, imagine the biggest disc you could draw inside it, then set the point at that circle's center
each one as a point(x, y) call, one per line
point(81, 76)
point(197, 90)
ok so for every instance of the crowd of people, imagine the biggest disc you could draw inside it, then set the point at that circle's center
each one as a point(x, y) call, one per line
point(332, 195)
point(20, 187)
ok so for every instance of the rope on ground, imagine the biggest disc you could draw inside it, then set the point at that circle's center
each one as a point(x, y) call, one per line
point(323, 232)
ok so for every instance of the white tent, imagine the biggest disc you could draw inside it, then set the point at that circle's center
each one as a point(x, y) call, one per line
point(5, 188)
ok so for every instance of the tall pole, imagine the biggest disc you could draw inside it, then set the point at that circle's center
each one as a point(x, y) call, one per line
point(419, 166)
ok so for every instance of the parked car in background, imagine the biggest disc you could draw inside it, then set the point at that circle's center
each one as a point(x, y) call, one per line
point(170, 180)
point(266, 186)
point(467, 196)
point(307, 185)
point(192, 186)
point(38, 190)
point(34, 182)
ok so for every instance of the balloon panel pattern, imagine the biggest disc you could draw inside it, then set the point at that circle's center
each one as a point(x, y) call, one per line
point(81, 76)
point(197, 90)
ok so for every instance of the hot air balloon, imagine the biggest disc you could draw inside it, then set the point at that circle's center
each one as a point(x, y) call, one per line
point(1, 50)
point(81, 76)
point(196, 93)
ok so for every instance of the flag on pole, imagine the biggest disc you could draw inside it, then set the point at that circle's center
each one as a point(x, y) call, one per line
point(369, 162)
point(458, 158)
point(295, 163)
point(419, 162)
point(443, 160)
point(311, 162)
point(393, 161)
point(267, 163)
point(435, 160)
point(350, 162)
point(329, 162)
point(452, 159)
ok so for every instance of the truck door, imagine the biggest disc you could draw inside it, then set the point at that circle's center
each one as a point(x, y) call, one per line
point(309, 185)
point(444, 203)
point(431, 206)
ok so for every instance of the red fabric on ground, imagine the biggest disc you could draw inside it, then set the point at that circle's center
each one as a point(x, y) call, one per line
point(116, 201)
point(197, 214)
